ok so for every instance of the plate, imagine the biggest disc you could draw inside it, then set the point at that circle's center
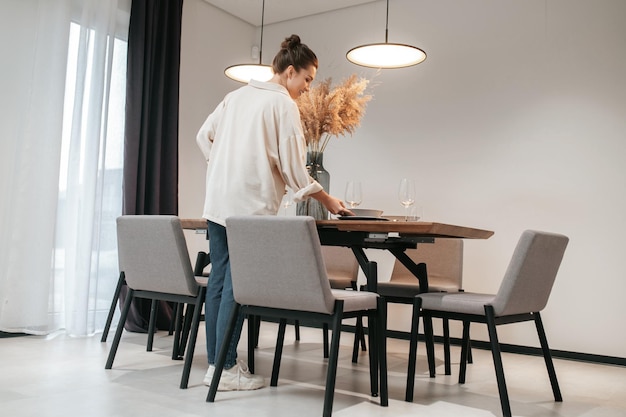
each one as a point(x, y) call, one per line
point(366, 212)
point(362, 218)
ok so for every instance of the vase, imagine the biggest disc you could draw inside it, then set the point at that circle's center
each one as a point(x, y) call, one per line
point(310, 206)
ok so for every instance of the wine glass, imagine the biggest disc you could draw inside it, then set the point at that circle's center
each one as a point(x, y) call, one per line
point(406, 195)
point(354, 196)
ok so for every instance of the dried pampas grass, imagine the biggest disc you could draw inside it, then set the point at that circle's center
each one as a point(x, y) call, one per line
point(325, 112)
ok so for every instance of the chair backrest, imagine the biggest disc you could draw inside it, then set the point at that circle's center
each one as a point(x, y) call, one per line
point(340, 263)
point(529, 278)
point(444, 263)
point(153, 254)
point(277, 262)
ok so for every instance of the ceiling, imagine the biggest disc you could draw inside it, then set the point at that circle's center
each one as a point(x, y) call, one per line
point(280, 10)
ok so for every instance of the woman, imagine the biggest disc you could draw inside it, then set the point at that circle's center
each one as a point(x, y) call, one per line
point(254, 147)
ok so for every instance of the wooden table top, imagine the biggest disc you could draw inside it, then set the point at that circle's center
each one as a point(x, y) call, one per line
point(394, 225)
point(407, 228)
point(194, 224)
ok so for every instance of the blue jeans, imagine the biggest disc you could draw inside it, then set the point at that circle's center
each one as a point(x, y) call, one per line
point(219, 298)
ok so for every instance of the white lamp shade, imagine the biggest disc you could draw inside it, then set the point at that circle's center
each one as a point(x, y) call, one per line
point(245, 72)
point(386, 55)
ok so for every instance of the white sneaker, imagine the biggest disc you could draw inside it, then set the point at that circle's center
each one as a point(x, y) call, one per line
point(239, 378)
point(209, 376)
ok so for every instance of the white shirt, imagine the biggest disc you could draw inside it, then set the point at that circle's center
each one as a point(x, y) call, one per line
point(254, 147)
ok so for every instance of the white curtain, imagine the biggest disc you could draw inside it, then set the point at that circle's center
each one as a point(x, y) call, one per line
point(62, 137)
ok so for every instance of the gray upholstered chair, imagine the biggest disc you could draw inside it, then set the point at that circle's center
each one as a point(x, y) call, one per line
point(342, 270)
point(154, 259)
point(443, 261)
point(288, 279)
point(523, 293)
point(342, 267)
point(203, 260)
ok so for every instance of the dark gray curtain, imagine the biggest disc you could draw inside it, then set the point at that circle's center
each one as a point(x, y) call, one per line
point(151, 132)
point(151, 141)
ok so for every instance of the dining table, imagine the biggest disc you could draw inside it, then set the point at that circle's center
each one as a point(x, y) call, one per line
point(391, 233)
point(394, 234)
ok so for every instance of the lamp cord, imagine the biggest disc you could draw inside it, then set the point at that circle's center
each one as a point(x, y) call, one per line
point(262, 24)
point(386, 23)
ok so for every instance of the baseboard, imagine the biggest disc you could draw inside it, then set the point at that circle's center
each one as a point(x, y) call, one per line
point(523, 350)
point(6, 334)
point(509, 348)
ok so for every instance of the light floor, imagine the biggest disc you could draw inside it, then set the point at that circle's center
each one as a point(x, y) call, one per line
point(63, 376)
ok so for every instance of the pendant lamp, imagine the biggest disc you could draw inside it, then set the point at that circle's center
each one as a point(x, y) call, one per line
point(386, 55)
point(245, 72)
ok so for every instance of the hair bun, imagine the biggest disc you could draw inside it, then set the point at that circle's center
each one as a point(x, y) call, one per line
point(291, 42)
point(293, 52)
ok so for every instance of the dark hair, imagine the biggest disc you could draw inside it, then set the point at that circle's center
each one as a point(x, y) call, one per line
point(293, 52)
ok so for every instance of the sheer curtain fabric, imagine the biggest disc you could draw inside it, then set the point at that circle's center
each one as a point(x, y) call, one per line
point(60, 166)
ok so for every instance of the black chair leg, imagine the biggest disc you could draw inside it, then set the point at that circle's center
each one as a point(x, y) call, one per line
point(181, 330)
point(172, 327)
point(221, 357)
point(278, 353)
point(497, 361)
point(176, 349)
point(254, 328)
point(410, 373)
point(297, 329)
point(430, 343)
point(547, 356)
point(464, 352)
point(360, 329)
point(118, 331)
point(152, 324)
point(333, 357)
point(381, 322)
point(374, 338)
point(470, 359)
point(325, 339)
point(186, 319)
point(195, 323)
point(121, 281)
point(359, 337)
point(355, 345)
point(446, 346)
point(257, 329)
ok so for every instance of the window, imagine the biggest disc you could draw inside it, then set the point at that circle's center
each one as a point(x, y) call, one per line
point(90, 180)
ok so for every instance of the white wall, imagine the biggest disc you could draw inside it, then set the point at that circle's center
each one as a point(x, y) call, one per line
point(516, 120)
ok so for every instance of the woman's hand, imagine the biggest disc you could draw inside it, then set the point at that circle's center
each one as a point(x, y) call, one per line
point(334, 205)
